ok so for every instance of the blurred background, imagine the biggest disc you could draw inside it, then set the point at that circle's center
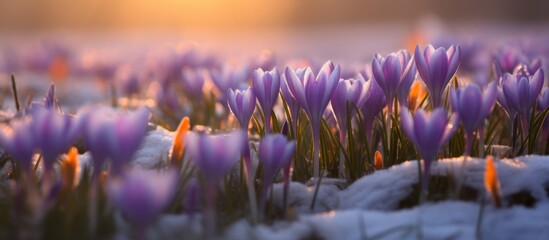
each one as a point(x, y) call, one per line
point(231, 15)
point(286, 26)
point(155, 40)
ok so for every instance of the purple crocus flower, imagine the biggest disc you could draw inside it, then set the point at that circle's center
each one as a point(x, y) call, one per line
point(292, 103)
point(192, 81)
point(373, 105)
point(167, 99)
point(349, 91)
point(18, 140)
point(473, 107)
point(429, 132)
point(53, 133)
point(191, 197)
point(394, 74)
point(313, 95)
point(266, 86)
point(141, 195)
point(507, 59)
point(275, 152)
point(127, 80)
point(48, 102)
point(214, 156)
point(115, 139)
point(436, 68)
point(518, 94)
point(229, 77)
point(242, 105)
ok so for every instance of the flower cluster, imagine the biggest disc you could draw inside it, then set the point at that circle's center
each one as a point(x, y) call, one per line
point(243, 127)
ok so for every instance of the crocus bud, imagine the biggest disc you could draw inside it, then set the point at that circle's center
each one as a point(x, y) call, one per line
point(491, 182)
point(70, 169)
point(417, 93)
point(266, 86)
point(352, 92)
point(242, 105)
point(275, 152)
point(179, 142)
point(378, 164)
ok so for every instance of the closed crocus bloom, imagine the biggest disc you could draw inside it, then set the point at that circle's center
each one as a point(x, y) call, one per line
point(394, 74)
point(266, 86)
point(292, 103)
point(193, 82)
point(275, 152)
point(229, 77)
point(116, 138)
point(215, 155)
point(349, 91)
point(373, 105)
point(242, 105)
point(507, 59)
point(18, 140)
point(436, 68)
point(313, 95)
point(141, 195)
point(127, 80)
point(53, 133)
point(179, 142)
point(429, 132)
point(519, 94)
point(473, 107)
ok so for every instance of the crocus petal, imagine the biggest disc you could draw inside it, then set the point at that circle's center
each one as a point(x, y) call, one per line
point(407, 123)
point(378, 73)
point(523, 95)
point(536, 84)
point(296, 87)
point(454, 57)
point(470, 102)
point(450, 129)
point(488, 99)
point(421, 63)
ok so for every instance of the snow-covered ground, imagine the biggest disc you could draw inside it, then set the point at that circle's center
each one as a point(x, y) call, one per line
point(369, 208)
